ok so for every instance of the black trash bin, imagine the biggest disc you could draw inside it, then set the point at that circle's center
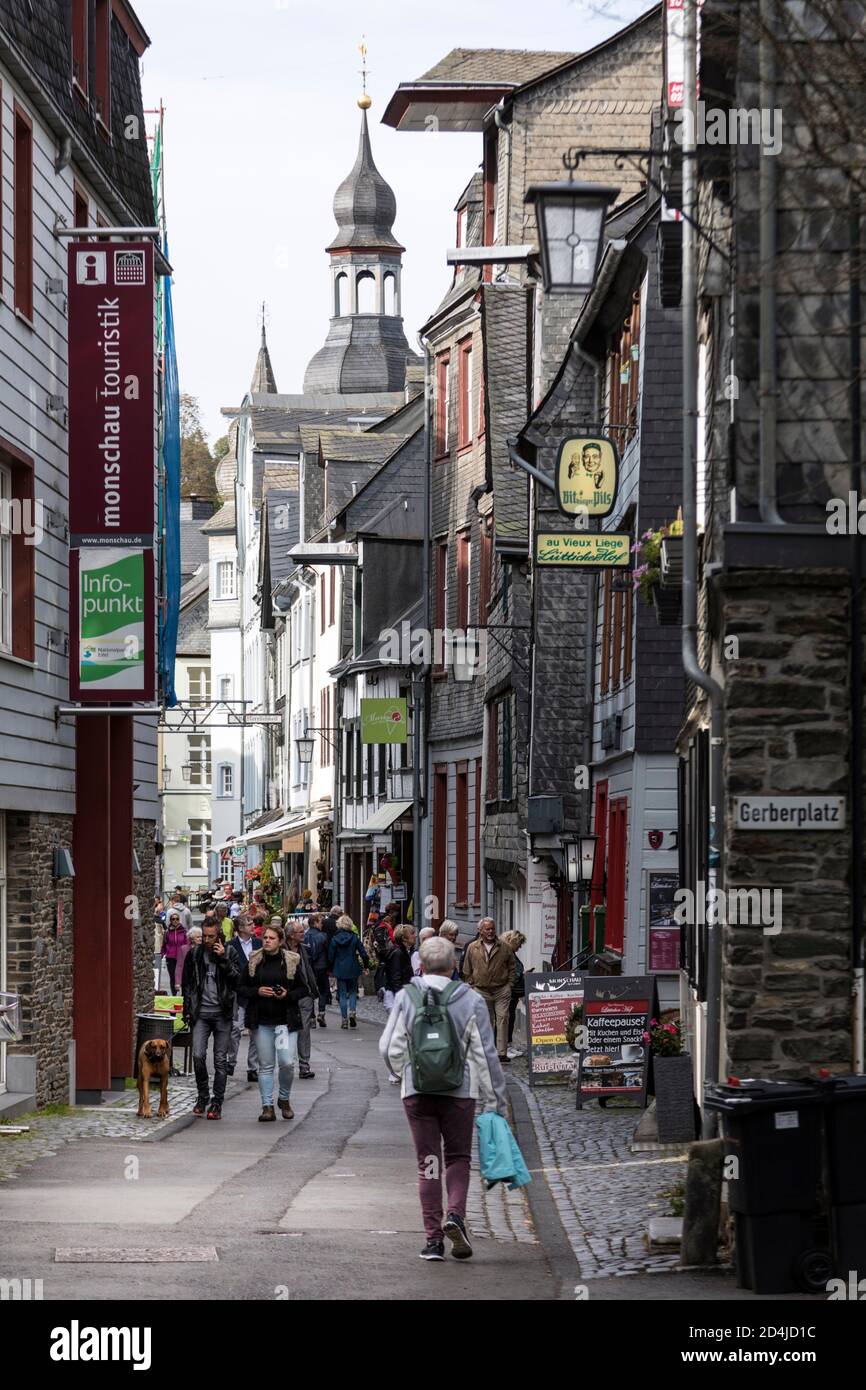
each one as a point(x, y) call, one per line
point(152, 1026)
point(775, 1130)
point(845, 1123)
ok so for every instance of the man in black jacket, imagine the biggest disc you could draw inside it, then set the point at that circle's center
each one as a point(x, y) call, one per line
point(210, 981)
point(242, 946)
point(307, 975)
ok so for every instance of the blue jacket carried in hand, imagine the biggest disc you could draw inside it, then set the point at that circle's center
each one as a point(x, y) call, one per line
point(498, 1155)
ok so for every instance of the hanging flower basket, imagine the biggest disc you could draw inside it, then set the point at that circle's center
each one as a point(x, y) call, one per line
point(647, 573)
point(667, 604)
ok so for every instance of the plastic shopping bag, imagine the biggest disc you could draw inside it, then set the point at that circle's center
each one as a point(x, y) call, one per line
point(498, 1153)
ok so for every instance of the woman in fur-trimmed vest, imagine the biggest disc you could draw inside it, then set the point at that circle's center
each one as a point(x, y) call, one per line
point(271, 987)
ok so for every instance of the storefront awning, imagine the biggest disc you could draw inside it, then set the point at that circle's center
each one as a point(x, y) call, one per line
point(275, 830)
point(381, 820)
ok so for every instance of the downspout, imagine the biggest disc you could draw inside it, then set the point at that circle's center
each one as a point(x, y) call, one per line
point(691, 666)
point(422, 697)
point(506, 131)
point(768, 382)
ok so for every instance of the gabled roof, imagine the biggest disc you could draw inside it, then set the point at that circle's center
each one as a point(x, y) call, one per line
point(513, 66)
point(460, 90)
point(351, 446)
point(222, 522)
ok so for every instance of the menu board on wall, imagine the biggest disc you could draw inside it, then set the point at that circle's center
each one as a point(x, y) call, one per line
point(663, 948)
point(551, 999)
point(617, 1010)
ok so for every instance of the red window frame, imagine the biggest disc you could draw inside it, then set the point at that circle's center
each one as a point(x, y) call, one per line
point(323, 607)
point(600, 823)
point(23, 211)
point(464, 578)
point(23, 572)
point(441, 607)
point(80, 207)
point(443, 404)
point(440, 842)
point(102, 62)
point(78, 55)
point(614, 922)
point(464, 391)
point(461, 887)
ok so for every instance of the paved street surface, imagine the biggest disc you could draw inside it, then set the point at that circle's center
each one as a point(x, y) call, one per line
point(325, 1205)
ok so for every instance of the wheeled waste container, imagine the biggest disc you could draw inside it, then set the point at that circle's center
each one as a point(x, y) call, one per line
point(152, 1026)
point(775, 1134)
point(845, 1126)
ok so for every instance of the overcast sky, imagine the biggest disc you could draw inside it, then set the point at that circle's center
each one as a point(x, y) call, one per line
point(261, 126)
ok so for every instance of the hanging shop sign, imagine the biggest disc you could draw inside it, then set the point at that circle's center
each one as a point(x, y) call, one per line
point(579, 550)
point(664, 933)
point(617, 1010)
point(587, 476)
point(554, 1022)
point(112, 471)
point(111, 394)
point(383, 721)
point(112, 620)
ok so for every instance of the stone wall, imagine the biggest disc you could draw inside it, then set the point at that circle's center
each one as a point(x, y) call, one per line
point(786, 1002)
point(39, 957)
point(144, 888)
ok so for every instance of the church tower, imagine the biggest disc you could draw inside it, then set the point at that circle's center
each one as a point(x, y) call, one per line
point(366, 349)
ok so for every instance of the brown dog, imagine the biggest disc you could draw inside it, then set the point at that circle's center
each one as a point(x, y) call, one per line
point(154, 1062)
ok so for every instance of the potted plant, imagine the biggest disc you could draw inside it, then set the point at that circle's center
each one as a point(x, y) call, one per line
point(672, 1077)
point(647, 573)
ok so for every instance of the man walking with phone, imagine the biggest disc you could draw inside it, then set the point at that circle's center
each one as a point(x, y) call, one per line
point(210, 979)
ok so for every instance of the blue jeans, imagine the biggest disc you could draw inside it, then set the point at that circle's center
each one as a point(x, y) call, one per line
point(348, 996)
point(273, 1052)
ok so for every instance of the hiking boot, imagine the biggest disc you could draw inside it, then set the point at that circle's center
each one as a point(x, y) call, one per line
point(455, 1229)
point(345, 1023)
point(286, 1110)
point(200, 1107)
point(433, 1250)
point(267, 1114)
point(215, 1110)
point(353, 1022)
point(306, 1075)
point(323, 1022)
point(252, 1075)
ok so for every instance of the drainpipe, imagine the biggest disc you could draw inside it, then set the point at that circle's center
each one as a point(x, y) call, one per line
point(691, 667)
point(422, 709)
point(768, 384)
point(506, 131)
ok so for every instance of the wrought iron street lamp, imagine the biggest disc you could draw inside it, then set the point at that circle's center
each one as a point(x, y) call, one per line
point(305, 746)
point(186, 770)
point(570, 218)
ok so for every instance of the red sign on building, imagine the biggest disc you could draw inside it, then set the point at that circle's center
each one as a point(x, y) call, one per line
point(111, 394)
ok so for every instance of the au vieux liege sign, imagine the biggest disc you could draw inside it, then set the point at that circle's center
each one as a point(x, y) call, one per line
point(111, 470)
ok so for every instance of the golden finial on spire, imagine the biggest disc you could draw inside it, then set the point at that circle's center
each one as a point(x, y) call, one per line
point(364, 101)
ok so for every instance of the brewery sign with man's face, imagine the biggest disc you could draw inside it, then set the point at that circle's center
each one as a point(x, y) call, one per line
point(587, 476)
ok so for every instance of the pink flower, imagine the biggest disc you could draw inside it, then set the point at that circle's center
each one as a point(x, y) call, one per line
point(669, 1028)
point(645, 1036)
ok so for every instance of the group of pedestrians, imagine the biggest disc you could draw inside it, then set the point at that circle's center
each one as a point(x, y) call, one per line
point(451, 1013)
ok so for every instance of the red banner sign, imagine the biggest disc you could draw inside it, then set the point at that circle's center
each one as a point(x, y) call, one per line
point(111, 394)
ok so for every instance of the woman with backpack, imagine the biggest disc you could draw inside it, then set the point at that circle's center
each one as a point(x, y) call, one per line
point(172, 944)
point(347, 958)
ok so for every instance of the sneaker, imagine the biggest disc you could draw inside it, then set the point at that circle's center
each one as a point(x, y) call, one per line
point(433, 1250)
point(345, 1023)
point(353, 1022)
point(215, 1110)
point(323, 1022)
point(200, 1106)
point(455, 1229)
point(252, 1076)
point(267, 1114)
point(306, 1075)
point(286, 1110)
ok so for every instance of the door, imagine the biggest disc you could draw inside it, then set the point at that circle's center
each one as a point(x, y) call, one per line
point(614, 931)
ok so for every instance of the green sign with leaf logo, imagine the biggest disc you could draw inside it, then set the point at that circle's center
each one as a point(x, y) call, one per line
point(383, 721)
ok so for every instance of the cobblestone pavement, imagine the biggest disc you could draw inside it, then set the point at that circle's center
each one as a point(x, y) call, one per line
point(115, 1119)
point(605, 1194)
point(494, 1215)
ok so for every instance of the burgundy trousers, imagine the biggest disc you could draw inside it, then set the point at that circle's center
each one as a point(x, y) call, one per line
point(441, 1123)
